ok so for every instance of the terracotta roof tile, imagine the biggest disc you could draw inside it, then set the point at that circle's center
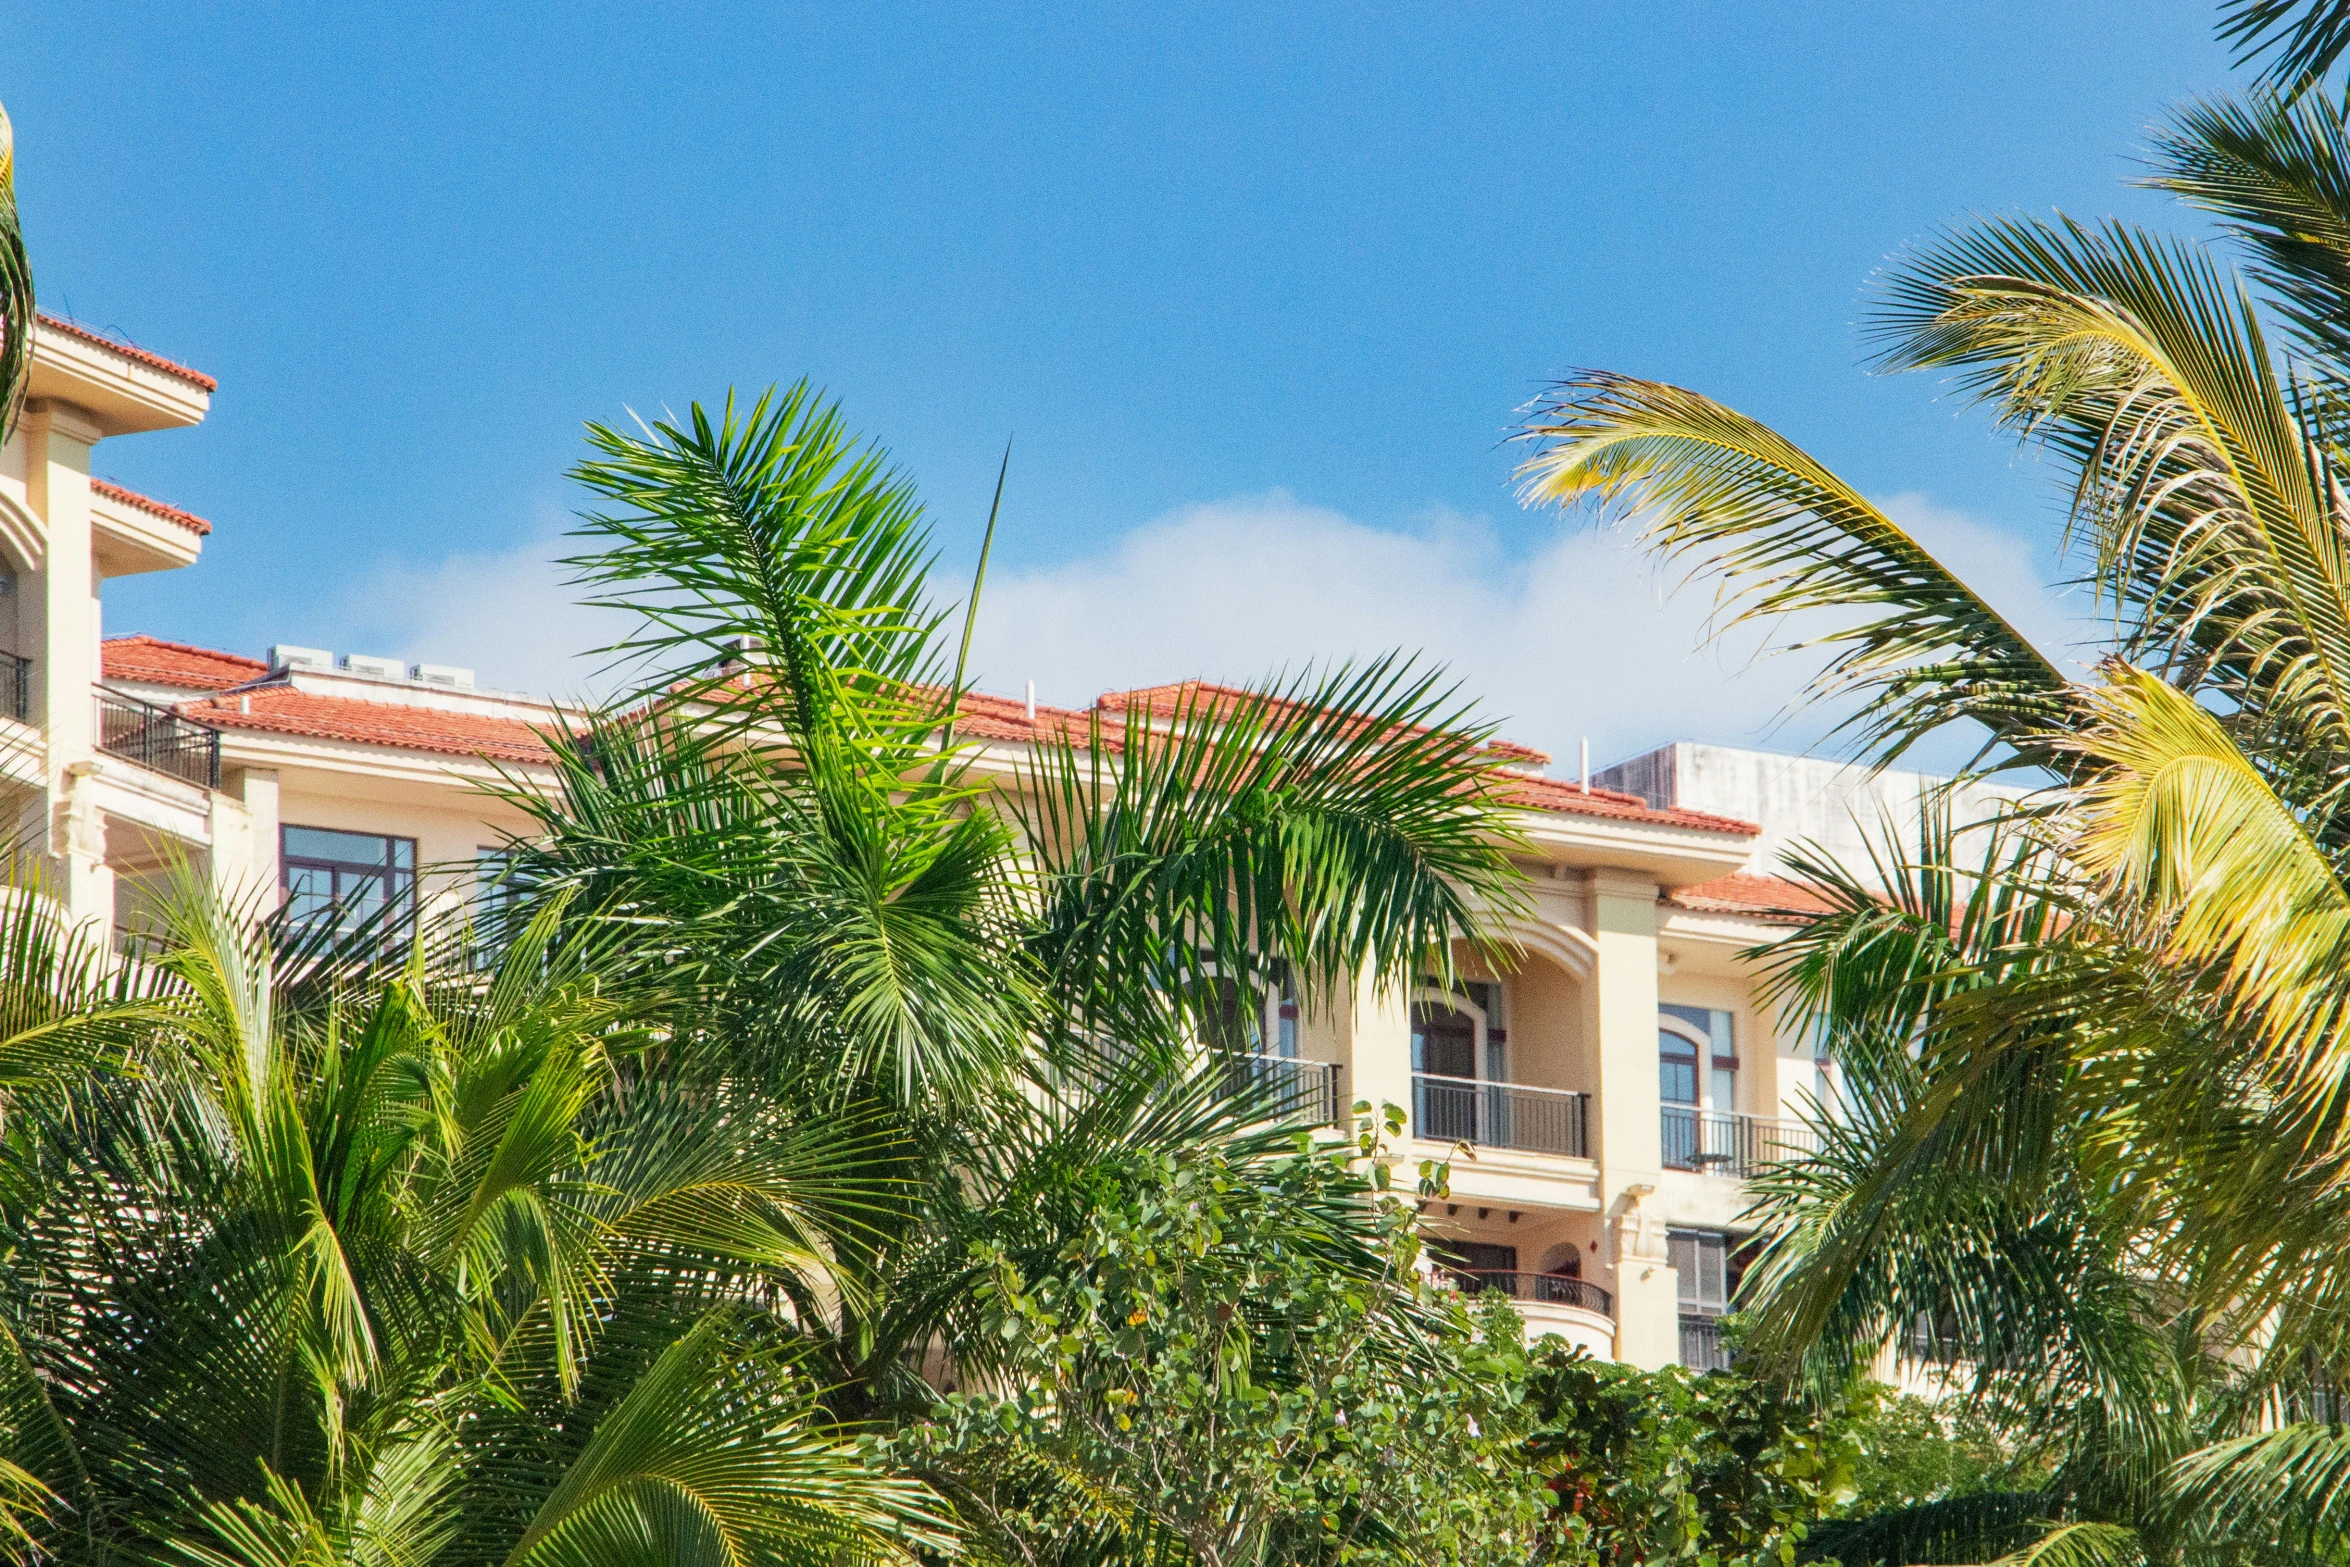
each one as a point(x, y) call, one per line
point(149, 504)
point(1177, 696)
point(287, 711)
point(161, 663)
point(1572, 799)
point(152, 361)
point(1767, 898)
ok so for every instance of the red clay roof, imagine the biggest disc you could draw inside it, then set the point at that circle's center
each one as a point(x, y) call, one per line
point(1572, 799)
point(152, 361)
point(149, 504)
point(161, 663)
point(1766, 898)
point(1180, 695)
point(287, 711)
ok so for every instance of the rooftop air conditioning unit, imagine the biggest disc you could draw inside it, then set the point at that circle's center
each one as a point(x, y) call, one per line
point(287, 656)
point(371, 664)
point(443, 675)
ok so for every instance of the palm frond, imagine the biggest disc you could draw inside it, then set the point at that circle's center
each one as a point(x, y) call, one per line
point(1785, 536)
point(2277, 175)
point(2305, 38)
point(1348, 825)
point(763, 545)
point(2217, 521)
point(16, 291)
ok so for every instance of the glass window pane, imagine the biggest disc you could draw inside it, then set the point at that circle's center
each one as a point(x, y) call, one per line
point(1725, 1087)
point(309, 891)
point(326, 843)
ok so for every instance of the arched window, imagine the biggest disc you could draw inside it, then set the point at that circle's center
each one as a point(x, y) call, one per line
point(1676, 1066)
point(1444, 1040)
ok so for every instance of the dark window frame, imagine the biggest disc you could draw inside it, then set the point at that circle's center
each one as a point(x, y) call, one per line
point(396, 869)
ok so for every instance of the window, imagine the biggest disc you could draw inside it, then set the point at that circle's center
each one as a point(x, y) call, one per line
point(1703, 1260)
point(1711, 1037)
point(1459, 1032)
point(1676, 1067)
point(349, 878)
point(494, 898)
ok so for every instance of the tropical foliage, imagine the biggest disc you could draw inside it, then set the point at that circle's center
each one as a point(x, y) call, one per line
point(810, 1050)
point(2095, 1058)
point(1210, 1369)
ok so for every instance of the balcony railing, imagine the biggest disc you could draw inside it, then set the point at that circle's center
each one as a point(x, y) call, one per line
point(20, 688)
point(1702, 1348)
point(1307, 1090)
point(1500, 1115)
point(158, 738)
point(1719, 1142)
point(1554, 1289)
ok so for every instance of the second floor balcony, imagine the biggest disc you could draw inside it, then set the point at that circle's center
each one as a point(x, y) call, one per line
point(1501, 1115)
point(1722, 1142)
point(157, 738)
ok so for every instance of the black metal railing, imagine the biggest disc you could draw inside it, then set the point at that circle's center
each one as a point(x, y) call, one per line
point(1719, 1142)
point(159, 738)
point(1307, 1090)
point(1556, 1289)
point(1702, 1348)
point(1500, 1115)
point(20, 688)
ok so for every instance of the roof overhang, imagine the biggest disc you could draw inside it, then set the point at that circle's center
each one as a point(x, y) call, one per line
point(121, 392)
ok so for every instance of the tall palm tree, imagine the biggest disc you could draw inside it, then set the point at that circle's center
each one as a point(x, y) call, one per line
point(2143, 1049)
point(1007, 964)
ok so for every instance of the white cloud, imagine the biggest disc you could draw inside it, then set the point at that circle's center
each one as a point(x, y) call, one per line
point(1582, 636)
point(509, 615)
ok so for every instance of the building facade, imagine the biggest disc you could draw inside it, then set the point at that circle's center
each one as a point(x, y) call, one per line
point(1602, 1094)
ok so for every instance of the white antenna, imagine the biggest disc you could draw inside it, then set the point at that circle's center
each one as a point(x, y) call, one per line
point(1032, 701)
point(1586, 749)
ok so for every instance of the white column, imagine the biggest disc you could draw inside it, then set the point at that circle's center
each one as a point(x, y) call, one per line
point(59, 611)
point(1629, 1143)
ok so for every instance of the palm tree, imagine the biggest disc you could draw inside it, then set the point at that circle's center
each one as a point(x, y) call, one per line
point(2102, 1137)
point(330, 1263)
point(16, 291)
point(1008, 965)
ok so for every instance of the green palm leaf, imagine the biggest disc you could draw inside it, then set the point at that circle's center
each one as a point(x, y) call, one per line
point(1785, 535)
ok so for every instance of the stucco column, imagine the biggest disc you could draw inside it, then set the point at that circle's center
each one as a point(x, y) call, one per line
point(1629, 1145)
point(1379, 1048)
point(61, 606)
point(244, 840)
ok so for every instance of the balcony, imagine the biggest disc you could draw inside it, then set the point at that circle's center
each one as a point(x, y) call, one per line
point(1548, 1289)
point(1500, 1115)
point(159, 739)
point(1720, 1142)
point(1304, 1090)
point(19, 697)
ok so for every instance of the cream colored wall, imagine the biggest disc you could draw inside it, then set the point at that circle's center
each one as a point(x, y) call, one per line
point(449, 832)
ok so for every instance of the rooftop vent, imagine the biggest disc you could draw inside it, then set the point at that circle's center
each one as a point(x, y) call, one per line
point(287, 656)
point(372, 664)
point(443, 675)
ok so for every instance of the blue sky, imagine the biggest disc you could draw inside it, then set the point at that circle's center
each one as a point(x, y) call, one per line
point(1255, 288)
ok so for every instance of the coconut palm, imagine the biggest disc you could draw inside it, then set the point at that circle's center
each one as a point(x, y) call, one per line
point(2136, 1051)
